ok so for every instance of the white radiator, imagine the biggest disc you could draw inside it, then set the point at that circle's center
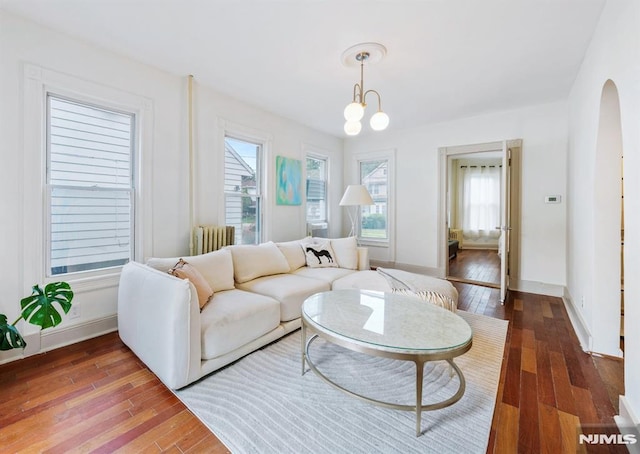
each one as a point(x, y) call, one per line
point(456, 234)
point(212, 237)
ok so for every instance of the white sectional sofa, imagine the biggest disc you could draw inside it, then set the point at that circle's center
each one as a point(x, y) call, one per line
point(257, 297)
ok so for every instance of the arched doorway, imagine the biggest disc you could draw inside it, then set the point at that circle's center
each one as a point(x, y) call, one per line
point(608, 226)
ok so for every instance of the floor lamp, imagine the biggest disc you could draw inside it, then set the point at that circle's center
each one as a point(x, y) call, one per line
point(354, 196)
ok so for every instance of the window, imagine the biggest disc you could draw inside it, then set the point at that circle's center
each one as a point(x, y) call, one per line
point(373, 222)
point(479, 208)
point(316, 189)
point(243, 189)
point(90, 186)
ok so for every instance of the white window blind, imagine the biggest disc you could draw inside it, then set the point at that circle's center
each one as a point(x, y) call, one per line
point(90, 186)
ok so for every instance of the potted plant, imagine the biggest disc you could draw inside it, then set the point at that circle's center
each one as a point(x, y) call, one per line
point(37, 309)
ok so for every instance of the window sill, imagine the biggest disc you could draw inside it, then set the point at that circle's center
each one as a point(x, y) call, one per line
point(373, 243)
point(96, 280)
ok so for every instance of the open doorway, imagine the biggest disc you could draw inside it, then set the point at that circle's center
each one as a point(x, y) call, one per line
point(479, 215)
point(474, 217)
point(608, 244)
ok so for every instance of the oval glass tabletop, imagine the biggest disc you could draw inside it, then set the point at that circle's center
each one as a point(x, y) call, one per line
point(387, 321)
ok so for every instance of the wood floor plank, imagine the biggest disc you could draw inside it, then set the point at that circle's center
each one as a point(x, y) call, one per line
point(565, 400)
point(544, 375)
point(529, 360)
point(529, 425)
point(507, 435)
point(551, 440)
point(570, 428)
point(511, 394)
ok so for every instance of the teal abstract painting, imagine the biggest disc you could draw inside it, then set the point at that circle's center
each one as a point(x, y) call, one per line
point(288, 181)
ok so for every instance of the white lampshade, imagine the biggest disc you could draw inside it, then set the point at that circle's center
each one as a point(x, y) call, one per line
point(352, 128)
point(356, 194)
point(379, 121)
point(354, 112)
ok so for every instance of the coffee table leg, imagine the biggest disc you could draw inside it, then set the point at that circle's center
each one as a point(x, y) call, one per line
point(419, 377)
point(303, 341)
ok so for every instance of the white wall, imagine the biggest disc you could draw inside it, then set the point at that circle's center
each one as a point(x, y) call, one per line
point(614, 53)
point(215, 113)
point(164, 157)
point(543, 130)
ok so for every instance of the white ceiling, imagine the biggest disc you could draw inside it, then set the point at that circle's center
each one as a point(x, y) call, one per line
point(445, 58)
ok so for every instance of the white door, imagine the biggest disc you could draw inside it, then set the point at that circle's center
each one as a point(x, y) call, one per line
point(505, 221)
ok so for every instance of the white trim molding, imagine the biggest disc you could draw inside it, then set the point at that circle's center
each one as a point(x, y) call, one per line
point(38, 82)
point(579, 325)
point(628, 423)
point(382, 250)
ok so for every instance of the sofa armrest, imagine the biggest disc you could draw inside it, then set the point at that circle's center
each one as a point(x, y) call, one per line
point(159, 320)
point(363, 258)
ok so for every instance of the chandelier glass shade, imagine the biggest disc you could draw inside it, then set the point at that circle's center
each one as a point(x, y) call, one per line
point(354, 112)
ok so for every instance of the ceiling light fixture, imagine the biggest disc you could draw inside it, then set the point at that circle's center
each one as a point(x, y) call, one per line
point(354, 112)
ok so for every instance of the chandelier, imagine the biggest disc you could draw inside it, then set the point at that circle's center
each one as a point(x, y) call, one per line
point(354, 111)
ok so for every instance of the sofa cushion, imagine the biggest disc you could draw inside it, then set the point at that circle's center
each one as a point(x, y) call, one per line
point(324, 274)
point(319, 254)
point(292, 251)
point(289, 289)
point(253, 261)
point(184, 270)
point(346, 250)
point(235, 318)
point(216, 267)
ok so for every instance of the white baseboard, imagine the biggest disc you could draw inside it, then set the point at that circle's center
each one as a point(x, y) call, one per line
point(628, 423)
point(77, 333)
point(579, 325)
point(539, 288)
point(40, 342)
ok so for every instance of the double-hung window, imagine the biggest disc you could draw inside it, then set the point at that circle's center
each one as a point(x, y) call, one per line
point(316, 190)
point(374, 175)
point(243, 189)
point(90, 186)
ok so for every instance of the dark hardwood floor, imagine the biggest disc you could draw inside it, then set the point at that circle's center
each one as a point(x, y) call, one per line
point(482, 265)
point(96, 396)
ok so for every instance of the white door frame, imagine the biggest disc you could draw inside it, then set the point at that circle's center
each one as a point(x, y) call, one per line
point(443, 204)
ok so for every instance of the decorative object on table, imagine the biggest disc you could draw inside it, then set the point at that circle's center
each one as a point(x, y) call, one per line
point(354, 196)
point(37, 309)
point(288, 181)
point(353, 113)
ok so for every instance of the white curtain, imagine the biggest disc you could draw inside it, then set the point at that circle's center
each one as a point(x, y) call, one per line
point(479, 204)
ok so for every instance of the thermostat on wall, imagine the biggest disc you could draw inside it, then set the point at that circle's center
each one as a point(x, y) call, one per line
point(552, 199)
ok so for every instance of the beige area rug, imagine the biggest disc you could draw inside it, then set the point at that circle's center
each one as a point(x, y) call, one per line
point(262, 404)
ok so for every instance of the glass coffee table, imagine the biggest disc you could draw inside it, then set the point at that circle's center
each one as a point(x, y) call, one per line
point(390, 326)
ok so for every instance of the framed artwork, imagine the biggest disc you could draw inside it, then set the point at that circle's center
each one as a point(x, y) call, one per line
point(288, 181)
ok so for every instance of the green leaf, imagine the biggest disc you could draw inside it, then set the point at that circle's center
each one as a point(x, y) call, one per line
point(38, 308)
point(9, 335)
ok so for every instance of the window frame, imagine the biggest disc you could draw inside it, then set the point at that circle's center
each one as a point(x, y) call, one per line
point(49, 187)
point(38, 82)
point(243, 134)
point(389, 156)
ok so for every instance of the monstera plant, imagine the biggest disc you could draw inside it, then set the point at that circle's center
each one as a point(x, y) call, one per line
point(37, 309)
